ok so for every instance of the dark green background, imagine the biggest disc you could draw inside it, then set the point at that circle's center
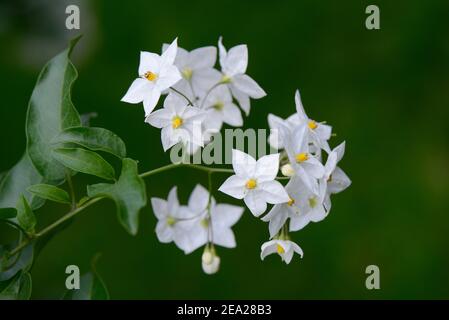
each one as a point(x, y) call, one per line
point(385, 92)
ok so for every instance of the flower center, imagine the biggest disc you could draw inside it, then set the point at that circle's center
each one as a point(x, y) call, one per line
point(313, 202)
point(187, 73)
point(205, 223)
point(312, 125)
point(291, 202)
point(280, 250)
point(176, 122)
point(301, 157)
point(150, 76)
point(225, 79)
point(171, 221)
point(218, 106)
point(251, 184)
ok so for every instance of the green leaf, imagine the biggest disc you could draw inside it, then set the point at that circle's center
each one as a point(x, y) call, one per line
point(7, 213)
point(16, 288)
point(9, 289)
point(15, 183)
point(84, 161)
point(9, 266)
point(50, 111)
point(97, 139)
point(25, 215)
point(49, 192)
point(128, 194)
point(25, 287)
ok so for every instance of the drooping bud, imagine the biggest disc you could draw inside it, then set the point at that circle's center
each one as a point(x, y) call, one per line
point(210, 261)
point(287, 170)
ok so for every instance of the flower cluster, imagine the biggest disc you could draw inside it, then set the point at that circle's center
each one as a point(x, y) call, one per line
point(195, 91)
point(306, 196)
point(200, 99)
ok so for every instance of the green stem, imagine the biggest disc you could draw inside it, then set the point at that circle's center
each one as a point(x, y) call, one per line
point(183, 95)
point(71, 190)
point(77, 210)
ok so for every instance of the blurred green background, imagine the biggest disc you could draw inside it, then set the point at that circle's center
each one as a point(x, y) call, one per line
point(386, 92)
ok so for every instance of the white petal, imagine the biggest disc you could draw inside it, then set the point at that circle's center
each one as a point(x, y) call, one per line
point(164, 232)
point(268, 248)
point(297, 249)
point(137, 91)
point(299, 107)
point(204, 57)
point(340, 150)
point(172, 201)
point(169, 55)
point(247, 85)
point(226, 215)
point(198, 199)
point(244, 165)
point(224, 237)
point(232, 115)
point(299, 222)
point(168, 77)
point(159, 207)
point(222, 52)
point(150, 101)
point(273, 192)
point(203, 79)
point(255, 201)
point(160, 118)
point(166, 138)
point(267, 167)
point(234, 186)
point(340, 181)
point(236, 60)
point(242, 98)
point(313, 167)
point(149, 62)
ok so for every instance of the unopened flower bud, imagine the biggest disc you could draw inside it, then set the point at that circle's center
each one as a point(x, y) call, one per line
point(210, 261)
point(287, 170)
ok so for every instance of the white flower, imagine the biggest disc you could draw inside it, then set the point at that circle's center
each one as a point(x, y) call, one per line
point(170, 217)
point(156, 74)
point(233, 65)
point(197, 69)
point(306, 165)
point(254, 181)
point(179, 122)
point(220, 108)
point(284, 248)
point(203, 229)
point(304, 206)
point(275, 122)
point(336, 179)
point(318, 133)
point(210, 261)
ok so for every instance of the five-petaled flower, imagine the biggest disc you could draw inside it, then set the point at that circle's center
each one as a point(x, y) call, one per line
point(156, 74)
point(254, 181)
point(284, 248)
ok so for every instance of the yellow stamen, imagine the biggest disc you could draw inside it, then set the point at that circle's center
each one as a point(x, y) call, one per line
point(251, 184)
point(187, 73)
point(225, 79)
point(218, 106)
point(291, 202)
point(205, 223)
point(176, 122)
point(171, 221)
point(312, 125)
point(313, 202)
point(280, 249)
point(150, 76)
point(301, 157)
